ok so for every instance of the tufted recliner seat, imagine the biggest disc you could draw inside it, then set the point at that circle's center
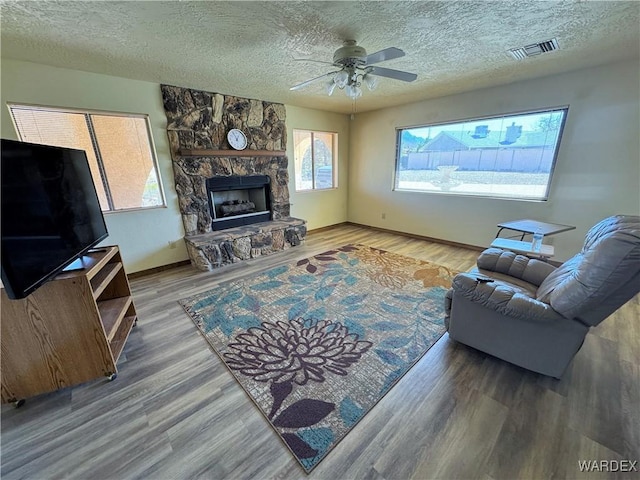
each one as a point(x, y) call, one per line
point(534, 315)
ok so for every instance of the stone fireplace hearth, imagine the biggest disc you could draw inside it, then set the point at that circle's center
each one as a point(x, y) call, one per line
point(197, 126)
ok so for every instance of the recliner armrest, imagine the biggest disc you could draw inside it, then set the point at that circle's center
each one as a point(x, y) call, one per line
point(508, 300)
point(518, 266)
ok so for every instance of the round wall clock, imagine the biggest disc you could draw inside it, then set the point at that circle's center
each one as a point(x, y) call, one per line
point(237, 139)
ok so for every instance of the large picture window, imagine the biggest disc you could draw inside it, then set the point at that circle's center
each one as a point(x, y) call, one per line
point(119, 149)
point(315, 160)
point(510, 156)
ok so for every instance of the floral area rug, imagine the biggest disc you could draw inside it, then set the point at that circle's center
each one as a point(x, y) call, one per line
point(318, 343)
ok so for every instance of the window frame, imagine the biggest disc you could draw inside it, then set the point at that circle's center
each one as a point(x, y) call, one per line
point(334, 161)
point(91, 131)
point(399, 130)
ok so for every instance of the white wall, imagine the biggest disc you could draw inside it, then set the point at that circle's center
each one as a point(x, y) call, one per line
point(322, 207)
point(146, 236)
point(597, 173)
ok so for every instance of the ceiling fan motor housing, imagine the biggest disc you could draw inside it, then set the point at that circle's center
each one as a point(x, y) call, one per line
point(350, 54)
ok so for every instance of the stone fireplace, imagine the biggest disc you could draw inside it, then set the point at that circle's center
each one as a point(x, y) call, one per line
point(234, 204)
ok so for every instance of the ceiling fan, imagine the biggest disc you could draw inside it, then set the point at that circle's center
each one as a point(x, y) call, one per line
point(355, 67)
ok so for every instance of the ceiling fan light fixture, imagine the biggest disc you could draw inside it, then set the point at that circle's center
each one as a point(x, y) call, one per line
point(331, 86)
point(341, 78)
point(371, 81)
point(353, 92)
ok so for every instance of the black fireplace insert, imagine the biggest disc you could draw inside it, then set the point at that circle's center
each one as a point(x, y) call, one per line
point(237, 200)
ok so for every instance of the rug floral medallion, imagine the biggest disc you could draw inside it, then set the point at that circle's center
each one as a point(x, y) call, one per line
point(318, 343)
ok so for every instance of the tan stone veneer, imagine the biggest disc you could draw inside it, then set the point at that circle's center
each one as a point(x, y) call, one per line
point(198, 120)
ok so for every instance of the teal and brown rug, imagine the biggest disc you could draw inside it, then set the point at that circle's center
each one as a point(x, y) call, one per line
point(318, 343)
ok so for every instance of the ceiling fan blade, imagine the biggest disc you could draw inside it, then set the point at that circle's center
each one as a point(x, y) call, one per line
point(383, 55)
point(309, 82)
point(395, 74)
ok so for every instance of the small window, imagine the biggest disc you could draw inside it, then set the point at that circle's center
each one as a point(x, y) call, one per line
point(315, 160)
point(511, 156)
point(119, 150)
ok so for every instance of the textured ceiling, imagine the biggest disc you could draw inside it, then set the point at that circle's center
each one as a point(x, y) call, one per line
point(248, 48)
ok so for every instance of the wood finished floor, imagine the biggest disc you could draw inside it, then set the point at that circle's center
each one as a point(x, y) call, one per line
point(176, 412)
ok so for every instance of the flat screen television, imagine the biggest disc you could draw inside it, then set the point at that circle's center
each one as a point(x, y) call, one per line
point(50, 214)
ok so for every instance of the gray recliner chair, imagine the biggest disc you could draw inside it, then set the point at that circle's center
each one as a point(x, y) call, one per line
point(535, 315)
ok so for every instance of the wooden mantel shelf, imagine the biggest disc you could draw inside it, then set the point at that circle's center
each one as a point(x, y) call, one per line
point(231, 153)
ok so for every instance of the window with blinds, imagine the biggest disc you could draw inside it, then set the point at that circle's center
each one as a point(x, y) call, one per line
point(119, 149)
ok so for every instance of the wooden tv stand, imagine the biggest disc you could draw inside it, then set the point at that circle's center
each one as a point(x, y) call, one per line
point(70, 330)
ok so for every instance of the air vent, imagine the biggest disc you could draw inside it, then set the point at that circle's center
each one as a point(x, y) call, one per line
point(534, 49)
